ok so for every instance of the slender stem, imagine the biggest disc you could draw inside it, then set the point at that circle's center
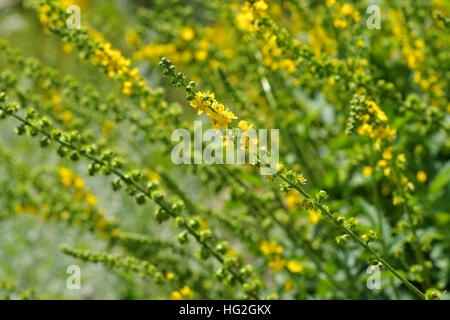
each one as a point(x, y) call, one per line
point(364, 244)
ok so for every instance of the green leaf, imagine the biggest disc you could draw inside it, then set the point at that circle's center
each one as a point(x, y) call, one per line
point(441, 180)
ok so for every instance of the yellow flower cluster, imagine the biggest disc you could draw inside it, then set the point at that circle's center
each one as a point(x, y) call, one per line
point(346, 11)
point(380, 132)
point(69, 178)
point(412, 48)
point(181, 294)
point(293, 199)
point(116, 64)
point(219, 115)
point(246, 18)
point(272, 55)
point(49, 18)
point(277, 263)
point(269, 248)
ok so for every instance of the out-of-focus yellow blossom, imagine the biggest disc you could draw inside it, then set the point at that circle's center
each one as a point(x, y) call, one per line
point(271, 247)
point(277, 264)
point(314, 217)
point(133, 39)
point(67, 47)
point(382, 163)
point(176, 295)
point(187, 33)
point(339, 23)
point(243, 125)
point(367, 171)
point(294, 266)
point(387, 153)
point(90, 199)
point(65, 176)
point(67, 118)
point(293, 199)
point(187, 292)
point(170, 276)
point(287, 285)
point(421, 176)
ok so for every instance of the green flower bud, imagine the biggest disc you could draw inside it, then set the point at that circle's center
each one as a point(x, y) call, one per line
point(205, 235)
point(179, 221)
point(194, 223)
point(183, 237)
point(140, 198)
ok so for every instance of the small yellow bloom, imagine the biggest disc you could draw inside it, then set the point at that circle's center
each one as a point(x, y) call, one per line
point(243, 125)
point(314, 217)
point(387, 154)
point(421, 176)
point(90, 199)
point(187, 33)
point(382, 163)
point(367, 171)
point(277, 264)
point(287, 285)
point(78, 183)
point(346, 10)
point(267, 247)
point(170, 276)
point(187, 292)
point(294, 266)
point(67, 47)
point(260, 5)
point(65, 215)
point(176, 295)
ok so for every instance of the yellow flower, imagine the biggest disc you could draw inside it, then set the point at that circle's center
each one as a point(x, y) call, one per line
point(90, 199)
point(132, 38)
point(346, 10)
point(65, 176)
point(267, 247)
point(65, 215)
point(127, 88)
point(421, 176)
point(367, 171)
point(277, 264)
point(294, 266)
point(293, 199)
point(67, 47)
point(287, 285)
point(201, 55)
point(170, 276)
point(387, 154)
point(382, 163)
point(243, 125)
point(314, 217)
point(67, 118)
point(187, 292)
point(78, 183)
point(260, 5)
point(338, 23)
point(187, 33)
point(360, 43)
point(176, 295)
